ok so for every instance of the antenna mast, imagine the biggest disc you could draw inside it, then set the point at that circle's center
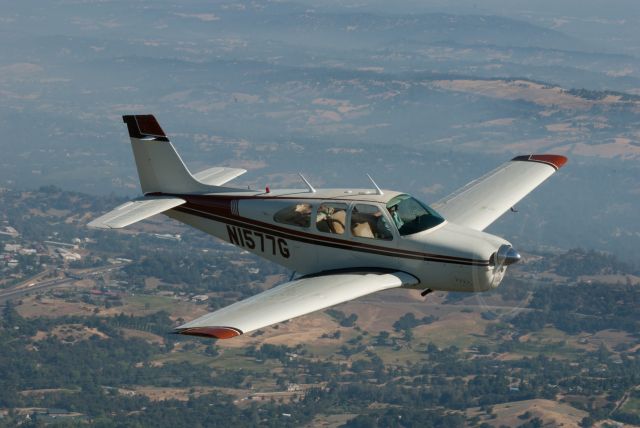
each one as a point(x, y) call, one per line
point(309, 186)
point(378, 190)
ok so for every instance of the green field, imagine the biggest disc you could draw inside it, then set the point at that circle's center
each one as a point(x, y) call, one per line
point(632, 405)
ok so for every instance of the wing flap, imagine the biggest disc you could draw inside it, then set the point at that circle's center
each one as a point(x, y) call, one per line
point(482, 201)
point(135, 210)
point(218, 175)
point(290, 300)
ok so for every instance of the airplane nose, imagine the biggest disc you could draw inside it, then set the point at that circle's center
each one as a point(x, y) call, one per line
point(505, 256)
point(511, 257)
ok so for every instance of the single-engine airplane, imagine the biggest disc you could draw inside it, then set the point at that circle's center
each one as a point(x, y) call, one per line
point(344, 243)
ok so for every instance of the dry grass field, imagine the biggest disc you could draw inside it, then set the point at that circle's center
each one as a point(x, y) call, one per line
point(52, 308)
point(550, 412)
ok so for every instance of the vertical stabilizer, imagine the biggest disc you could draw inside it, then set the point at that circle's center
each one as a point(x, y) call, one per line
point(160, 168)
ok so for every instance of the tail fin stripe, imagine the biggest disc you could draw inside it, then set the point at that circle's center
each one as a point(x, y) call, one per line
point(144, 127)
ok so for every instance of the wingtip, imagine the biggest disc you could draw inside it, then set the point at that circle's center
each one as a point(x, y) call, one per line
point(210, 332)
point(556, 161)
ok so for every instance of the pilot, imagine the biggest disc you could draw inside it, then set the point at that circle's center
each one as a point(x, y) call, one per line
point(383, 230)
point(393, 210)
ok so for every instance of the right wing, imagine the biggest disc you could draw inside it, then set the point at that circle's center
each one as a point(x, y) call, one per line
point(291, 299)
point(136, 210)
point(481, 202)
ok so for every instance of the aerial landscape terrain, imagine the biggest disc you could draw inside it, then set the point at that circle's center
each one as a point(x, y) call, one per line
point(424, 97)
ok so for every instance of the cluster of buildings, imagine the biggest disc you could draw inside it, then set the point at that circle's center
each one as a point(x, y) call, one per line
point(15, 252)
point(9, 256)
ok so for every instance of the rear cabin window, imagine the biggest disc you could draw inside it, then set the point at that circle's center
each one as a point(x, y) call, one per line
point(294, 215)
point(331, 218)
point(367, 221)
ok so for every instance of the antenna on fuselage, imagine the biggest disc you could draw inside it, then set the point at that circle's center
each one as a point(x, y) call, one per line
point(378, 190)
point(309, 186)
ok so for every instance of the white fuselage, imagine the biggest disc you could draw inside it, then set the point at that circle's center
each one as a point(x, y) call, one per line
point(446, 257)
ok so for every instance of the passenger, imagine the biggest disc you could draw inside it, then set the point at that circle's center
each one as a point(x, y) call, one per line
point(324, 213)
point(303, 215)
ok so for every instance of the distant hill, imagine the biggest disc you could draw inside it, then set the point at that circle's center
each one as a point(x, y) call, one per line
point(424, 99)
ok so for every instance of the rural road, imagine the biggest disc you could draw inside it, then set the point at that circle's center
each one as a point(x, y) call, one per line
point(14, 292)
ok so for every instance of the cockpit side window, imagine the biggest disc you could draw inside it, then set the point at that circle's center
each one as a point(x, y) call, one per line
point(412, 216)
point(367, 221)
point(294, 215)
point(331, 218)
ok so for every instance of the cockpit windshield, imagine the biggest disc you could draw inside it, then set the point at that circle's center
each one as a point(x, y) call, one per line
point(412, 216)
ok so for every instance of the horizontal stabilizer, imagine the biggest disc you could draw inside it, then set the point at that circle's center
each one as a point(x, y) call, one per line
point(136, 210)
point(217, 176)
point(290, 300)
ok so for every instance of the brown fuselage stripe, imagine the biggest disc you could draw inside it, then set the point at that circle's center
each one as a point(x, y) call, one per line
point(322, 240)
point(260, 196)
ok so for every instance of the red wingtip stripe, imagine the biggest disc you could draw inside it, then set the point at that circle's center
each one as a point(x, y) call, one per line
point(212, 332)
point(556, 161)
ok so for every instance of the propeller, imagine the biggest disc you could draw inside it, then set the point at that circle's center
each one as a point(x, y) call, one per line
point(505, 256)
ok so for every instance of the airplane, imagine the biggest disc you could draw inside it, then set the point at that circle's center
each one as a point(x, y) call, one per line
point(343, 243)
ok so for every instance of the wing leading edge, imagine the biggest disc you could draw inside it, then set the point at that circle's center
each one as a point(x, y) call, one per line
point(290, 300)
point(483, 201)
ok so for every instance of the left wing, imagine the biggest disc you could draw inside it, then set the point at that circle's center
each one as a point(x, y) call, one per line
point(481, 202)
point(290, 300)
